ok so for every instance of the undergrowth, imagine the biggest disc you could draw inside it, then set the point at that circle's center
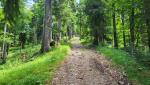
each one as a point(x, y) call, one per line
point(35, 72)
point(136, 72)
point(15, 56)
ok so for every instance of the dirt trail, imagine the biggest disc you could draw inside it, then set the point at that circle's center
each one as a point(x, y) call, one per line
point(87, 67)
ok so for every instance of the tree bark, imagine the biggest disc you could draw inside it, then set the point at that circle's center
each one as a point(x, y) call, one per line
point(132, 25)
point(147, 16)
point(96, 38)
point(59, 28)
point(69, 32)
point(114, 27)
point(34, 31)
point(148, 31)
point(14, 38)
point(137, 39)
point(80, 24)
point(72, 30)
point(50, 23)
point(34, 35)
point(4, 48)
point(123, 30)
point(46, 29)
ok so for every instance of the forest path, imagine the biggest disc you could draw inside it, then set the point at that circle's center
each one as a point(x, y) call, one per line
point(87, 67)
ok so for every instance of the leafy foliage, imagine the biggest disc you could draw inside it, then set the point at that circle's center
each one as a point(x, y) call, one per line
point(11, 9)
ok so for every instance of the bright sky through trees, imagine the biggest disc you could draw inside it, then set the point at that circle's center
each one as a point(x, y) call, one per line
point(78, 1)
point(29, 3)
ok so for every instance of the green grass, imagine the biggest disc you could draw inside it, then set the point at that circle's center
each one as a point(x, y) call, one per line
point(14, 57)
point(85, 42)
point(135, 72)
point(35, 72)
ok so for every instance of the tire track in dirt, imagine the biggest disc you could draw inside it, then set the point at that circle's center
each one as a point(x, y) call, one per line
point(87, 67)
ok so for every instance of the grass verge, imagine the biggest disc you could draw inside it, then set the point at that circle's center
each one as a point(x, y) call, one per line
point(36, 72)
point(135, 72)
point(14, 56)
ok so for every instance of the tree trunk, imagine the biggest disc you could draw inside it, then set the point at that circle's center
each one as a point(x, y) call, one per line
point(14, 38)
point(34, 31)
point(50, 26)
point(137, 39)
point(4, 48)
point(69, 31)
point(59, 28)
point(50, 23)
point(34, 36)
point(101, 31)
point(147, 15)
point(132, 25)
point(96, 38)
point(148, 31)
point(72, 30)
point(114, 28)
point(123, 30)
point(46, 29)
point(80, 24)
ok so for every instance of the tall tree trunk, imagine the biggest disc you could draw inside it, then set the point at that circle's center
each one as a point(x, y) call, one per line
point(123, 30)
point(114, 27)
point(34, 35)
point(137, 39)
point(69, 32)
point(4, 48)
point(50, 24)
point(80, 23)
point(96, 37)
point(132, 25)
point(148, 31)
point(59, 28)
point(46, 29)
point(72, 30)
point(147, 15)
point(34, 31)
point(14, 38)
point(101, 32)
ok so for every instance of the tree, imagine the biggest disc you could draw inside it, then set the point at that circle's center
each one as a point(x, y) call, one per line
point(123, 27)
point(38, 15)
point(94, 10)
point(11, 11)
point(58, 9)
point(68, 18)
point(47, 25)
point(147, 16)
point(114, 26)
point(132, 25)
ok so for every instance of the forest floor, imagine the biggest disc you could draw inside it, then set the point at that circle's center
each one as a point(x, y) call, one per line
point(87, 67)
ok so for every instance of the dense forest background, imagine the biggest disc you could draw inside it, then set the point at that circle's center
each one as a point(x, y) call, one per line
point(27, 31)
